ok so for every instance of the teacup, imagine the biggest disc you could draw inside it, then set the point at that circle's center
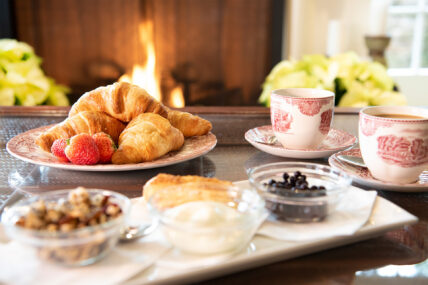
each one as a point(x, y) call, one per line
point(301, 117)
point(394, 142)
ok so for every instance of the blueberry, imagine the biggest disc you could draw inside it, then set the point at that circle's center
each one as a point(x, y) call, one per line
point(271, 182)
point(297, 174)
point(285, 176)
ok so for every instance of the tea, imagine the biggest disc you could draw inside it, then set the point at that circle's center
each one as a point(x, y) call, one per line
point(400, 116)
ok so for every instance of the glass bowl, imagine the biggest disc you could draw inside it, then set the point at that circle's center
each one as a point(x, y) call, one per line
point(76, 247)
point(299, 205)
point(207, 221)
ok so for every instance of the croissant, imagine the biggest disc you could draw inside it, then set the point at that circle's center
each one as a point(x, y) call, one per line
point(146, 138)
point(190, 125)
point(186, 189)
point(121, 100)
point(90, 122)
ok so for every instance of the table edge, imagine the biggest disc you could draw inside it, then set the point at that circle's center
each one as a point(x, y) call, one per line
point(55, 111)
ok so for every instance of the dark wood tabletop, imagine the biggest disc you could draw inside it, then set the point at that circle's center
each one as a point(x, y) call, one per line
point(397, 257)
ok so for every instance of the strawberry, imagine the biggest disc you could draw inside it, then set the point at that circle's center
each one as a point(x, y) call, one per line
point(81, 149)
point(57, 149)
point(105, 145)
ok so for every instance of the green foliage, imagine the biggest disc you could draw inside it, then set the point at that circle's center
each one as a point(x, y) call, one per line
point(22, 81)
point(356, 83)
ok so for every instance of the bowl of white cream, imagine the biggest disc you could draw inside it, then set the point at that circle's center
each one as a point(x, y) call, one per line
point(213, 222)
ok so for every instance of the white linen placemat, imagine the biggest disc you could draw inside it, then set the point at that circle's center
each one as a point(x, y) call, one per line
point(351, 214)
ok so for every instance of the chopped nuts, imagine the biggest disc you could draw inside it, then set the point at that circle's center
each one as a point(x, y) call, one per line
point(112, 210)
point(78, 211)
point(52, 216)
point(80, 195)
point(66, 227)
point(52, 228)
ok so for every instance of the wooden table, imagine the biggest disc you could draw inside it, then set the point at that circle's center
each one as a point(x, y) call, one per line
point(365, 262)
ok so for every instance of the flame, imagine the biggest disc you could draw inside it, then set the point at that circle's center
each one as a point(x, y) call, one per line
point(177, 98)
point(145, 76)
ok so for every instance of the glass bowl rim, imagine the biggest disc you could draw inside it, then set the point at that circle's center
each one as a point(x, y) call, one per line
point(344, 179)
point(10, 212)
point(257, 206)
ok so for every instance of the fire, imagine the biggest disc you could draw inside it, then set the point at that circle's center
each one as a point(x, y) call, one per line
point(177, 98)
point(145, 76)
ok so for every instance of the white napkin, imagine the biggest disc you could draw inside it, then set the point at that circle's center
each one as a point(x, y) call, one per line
point(21, 264)
point(351, 213)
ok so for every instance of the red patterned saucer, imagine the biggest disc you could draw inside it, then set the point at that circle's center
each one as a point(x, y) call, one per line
point(335, 141)
point(24, 147)
point(362, 175)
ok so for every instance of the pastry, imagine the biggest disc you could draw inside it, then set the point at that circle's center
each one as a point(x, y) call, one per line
point(174, 190)
point(89, 122)
point(121, 100)
point(190, 125)
point(146, 138)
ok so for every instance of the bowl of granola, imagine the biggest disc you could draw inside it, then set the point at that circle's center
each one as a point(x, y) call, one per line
point(69, 227)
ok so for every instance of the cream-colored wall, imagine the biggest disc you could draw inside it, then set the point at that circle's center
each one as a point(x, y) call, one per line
point(308, 26)
point(415, 88)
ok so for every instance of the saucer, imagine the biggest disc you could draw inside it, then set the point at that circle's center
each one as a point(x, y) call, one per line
point(335, 141)
point(362, 175)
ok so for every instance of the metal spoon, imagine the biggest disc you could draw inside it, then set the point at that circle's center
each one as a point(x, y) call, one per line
point(260, 137)
point(265, 139)
point(131, 233)
point(354, 160)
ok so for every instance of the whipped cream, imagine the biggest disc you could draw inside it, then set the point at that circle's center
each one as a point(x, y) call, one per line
point(206, 227)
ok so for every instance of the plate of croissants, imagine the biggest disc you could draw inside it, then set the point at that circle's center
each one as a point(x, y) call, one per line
point(147, 133)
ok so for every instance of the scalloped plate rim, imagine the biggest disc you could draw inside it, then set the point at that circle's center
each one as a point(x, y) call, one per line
point(301, 154)
point(13, 142)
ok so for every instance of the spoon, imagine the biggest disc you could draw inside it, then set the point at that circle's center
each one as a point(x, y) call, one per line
point(131, 233)
point(264, 139)
point(267, 140)
point(354, 160)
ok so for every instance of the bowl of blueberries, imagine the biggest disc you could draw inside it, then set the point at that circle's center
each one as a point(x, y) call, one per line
point(298, 191)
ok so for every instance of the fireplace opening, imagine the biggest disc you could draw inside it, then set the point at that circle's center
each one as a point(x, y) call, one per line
point(183, 52)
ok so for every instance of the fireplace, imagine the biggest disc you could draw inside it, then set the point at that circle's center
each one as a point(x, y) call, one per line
point(184, 52)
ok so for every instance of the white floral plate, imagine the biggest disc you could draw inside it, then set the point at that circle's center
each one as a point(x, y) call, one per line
point(335, 141)
point(362, 175)
point(24, 147)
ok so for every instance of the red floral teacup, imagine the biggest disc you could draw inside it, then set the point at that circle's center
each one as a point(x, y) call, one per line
point(394, 142)
point(301, 117)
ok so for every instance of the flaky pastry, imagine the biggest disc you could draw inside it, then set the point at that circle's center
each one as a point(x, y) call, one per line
point(174, 190)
